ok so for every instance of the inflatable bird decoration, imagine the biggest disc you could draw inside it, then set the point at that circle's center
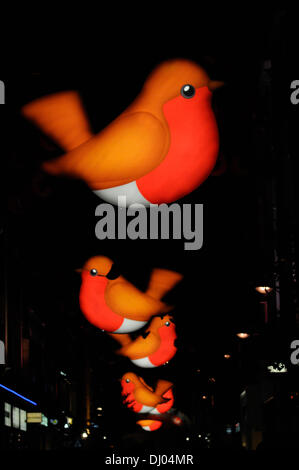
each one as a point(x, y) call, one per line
point(113, 304)
point(149, 424)
point(155, 347)
point(162, 147)
point(142, 398)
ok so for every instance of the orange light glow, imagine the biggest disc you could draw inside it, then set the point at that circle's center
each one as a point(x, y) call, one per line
point(177, 420)
point(243, 335)
point(264, 289)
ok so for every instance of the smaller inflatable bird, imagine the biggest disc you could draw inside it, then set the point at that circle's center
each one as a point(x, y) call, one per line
point(142, 398)
point(149, 424)
point(155, 347)
point(113, 304)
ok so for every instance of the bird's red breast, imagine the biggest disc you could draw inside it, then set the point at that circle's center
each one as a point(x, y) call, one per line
point(167, 349)
point(164, 407)
point(192, 153)
point(128, 392)
point(93, 304)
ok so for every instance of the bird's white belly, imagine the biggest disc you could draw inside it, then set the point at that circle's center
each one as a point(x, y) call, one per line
point(143, 362)
point(123, 196)
point(129, 326)
point(146, 409)
point(154, 412)
point(146, 428)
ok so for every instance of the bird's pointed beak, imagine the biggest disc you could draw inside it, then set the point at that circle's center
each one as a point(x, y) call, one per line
point(214, 84)
point(79, 270)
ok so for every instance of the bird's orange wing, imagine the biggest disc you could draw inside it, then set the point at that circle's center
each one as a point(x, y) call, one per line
point(141, 347)
point(162, 281)
point(128, 148)
point(62, 117)
point(162, 387)
point(146, 397)
point(122, 338)
point(128, 301)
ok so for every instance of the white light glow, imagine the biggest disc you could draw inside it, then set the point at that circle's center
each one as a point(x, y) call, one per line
point(243, 335)
point(264, 289)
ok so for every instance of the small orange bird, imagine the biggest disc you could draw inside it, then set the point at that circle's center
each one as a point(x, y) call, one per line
point(155, 347)
point(149, 424)
point(113, 304)
point(142, 398)
point(162, 147)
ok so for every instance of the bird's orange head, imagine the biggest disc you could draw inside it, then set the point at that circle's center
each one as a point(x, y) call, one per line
point(101, 266)
point(168, 79)
point(129, 382)
point(161, 321)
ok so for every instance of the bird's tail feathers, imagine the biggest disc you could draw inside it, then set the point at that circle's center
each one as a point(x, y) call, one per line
point(162, 387)
point(123, 339)
point(161, 282)
point(62, 117)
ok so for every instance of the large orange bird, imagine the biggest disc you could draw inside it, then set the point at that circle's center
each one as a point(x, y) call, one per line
point(162, 147)
point(113, 304)
point(155, 347)
point(142, 398)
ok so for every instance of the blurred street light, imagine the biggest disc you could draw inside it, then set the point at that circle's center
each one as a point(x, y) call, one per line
point(264, 289)
point(243, 335)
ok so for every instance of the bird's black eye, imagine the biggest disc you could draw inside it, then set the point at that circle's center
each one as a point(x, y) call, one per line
point(127, 380)
point(187, 91)
point(93, 272)
point(114, 272)
point(167, 323)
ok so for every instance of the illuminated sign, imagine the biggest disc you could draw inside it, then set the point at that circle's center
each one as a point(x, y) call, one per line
point(7, 414)
point(16, 417)
point(38, 418)
point(44, 421)
point(277, 368)
point(2, 353)
point(23, 420)
point(34, 418)
point(17, 394)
